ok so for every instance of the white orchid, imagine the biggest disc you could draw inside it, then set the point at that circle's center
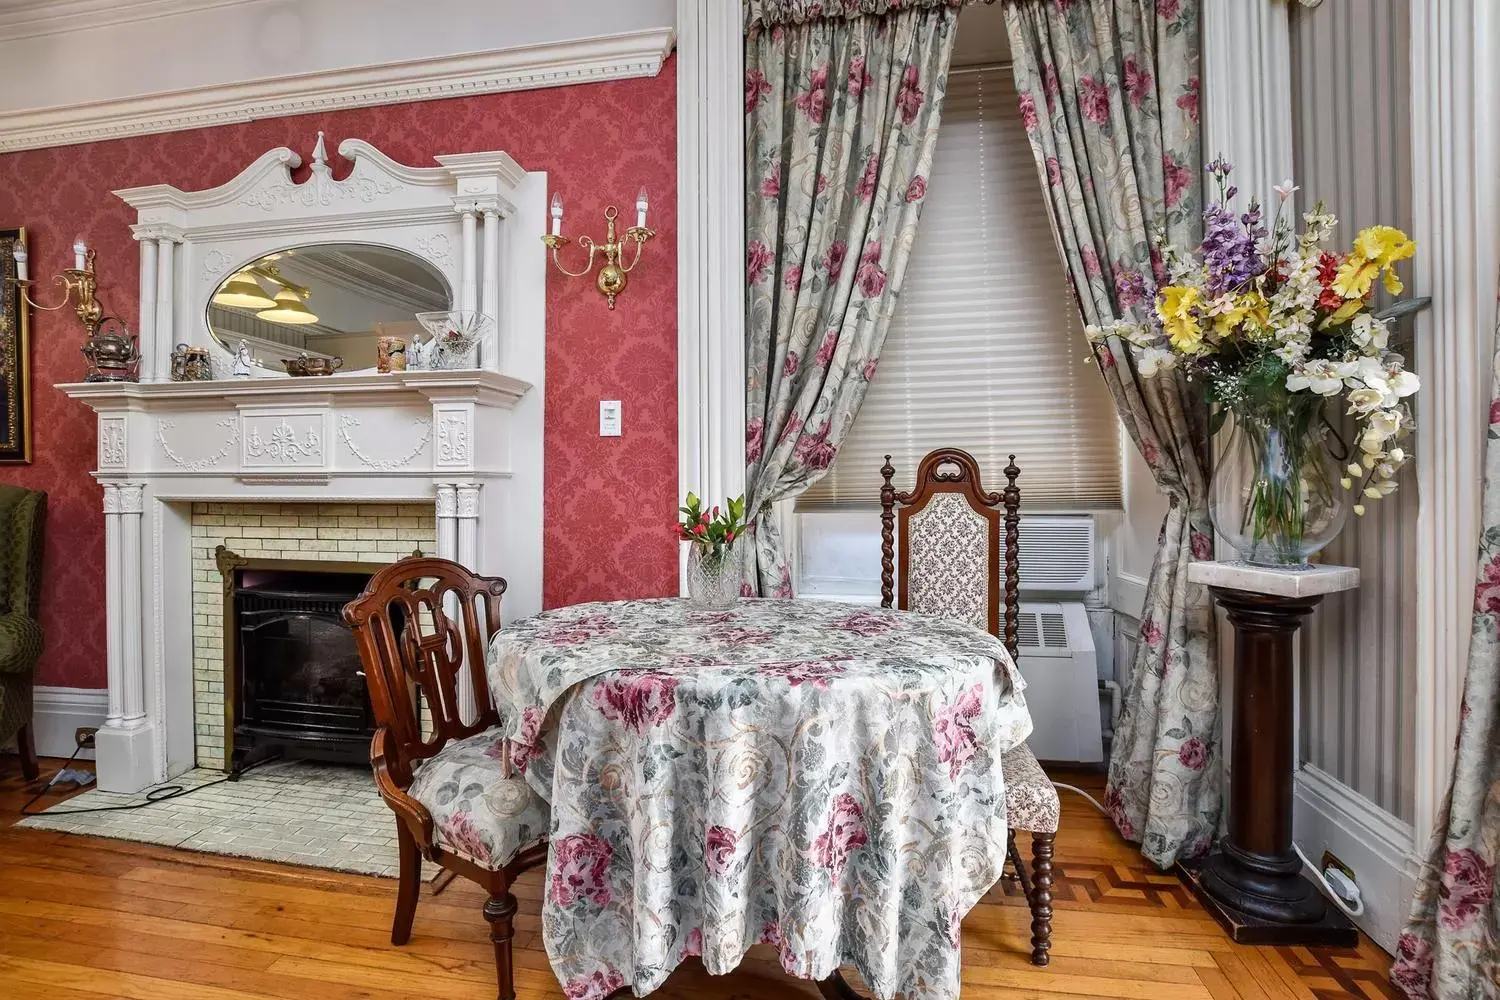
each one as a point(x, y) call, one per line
point(1379, 428)
point(1319, 376)
point(1285, 189)
point(1153, 360)
point(1369, 333)
point(1404, 383)
point(1365, 400)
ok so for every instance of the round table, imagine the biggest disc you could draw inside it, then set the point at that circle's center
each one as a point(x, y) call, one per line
point(820, 777)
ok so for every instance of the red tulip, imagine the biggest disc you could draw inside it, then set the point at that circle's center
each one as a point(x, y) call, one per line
point(716, 510)
point(699, 529)
point(728, 536)
point(705, 518)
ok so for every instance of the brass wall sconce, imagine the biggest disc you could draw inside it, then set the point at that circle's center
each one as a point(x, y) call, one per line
point(110, 347)
point(78, 286)
point(612, 275)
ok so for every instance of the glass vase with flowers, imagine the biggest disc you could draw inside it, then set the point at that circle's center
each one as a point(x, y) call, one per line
point(713, 566)
point(1278, 327)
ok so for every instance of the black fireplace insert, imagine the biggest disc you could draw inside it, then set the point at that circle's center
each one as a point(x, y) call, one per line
point(298, 682)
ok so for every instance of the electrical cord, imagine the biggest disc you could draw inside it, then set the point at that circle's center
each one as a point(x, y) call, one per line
point(163, 794)
point(1328, 888)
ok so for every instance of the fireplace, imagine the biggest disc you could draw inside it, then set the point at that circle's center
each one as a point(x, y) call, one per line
point(293, 681)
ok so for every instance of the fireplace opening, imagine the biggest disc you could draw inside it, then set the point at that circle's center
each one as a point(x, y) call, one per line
point(294, 684)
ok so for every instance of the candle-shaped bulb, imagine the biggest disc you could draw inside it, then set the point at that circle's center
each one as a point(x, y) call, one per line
point(557, 215)
point(80, 252)
point(20, 255)
point(640, 208)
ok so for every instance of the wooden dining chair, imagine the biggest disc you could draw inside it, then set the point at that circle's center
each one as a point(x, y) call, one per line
point(456, 801)
point(950, 558)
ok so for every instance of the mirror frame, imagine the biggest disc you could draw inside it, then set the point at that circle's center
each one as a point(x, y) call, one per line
point(453, 216)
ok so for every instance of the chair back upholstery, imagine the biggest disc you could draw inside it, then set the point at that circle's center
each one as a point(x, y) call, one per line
point(949, 556)
point(23, 516)
point(416, 623)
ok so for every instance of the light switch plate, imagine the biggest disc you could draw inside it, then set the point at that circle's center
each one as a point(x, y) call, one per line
point(609, 418)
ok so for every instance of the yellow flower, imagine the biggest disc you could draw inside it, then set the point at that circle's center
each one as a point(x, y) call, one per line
point(1256, 310)
point(1175, 307)
point(1343, 313)
point(1376, 251)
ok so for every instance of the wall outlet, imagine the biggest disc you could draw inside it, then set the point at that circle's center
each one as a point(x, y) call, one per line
point(1331, 860)
point(83, 736)
point(609, 418)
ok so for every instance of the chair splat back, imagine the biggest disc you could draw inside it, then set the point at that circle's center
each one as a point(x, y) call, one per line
point(940, 544)
point(416, 623)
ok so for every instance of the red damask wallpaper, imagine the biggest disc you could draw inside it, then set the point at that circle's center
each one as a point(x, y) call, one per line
point(610, 501)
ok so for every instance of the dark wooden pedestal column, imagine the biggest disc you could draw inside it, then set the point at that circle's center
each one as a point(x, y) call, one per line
point(1253, 883)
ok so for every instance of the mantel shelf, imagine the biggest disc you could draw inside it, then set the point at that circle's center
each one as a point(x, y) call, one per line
point(485, 387)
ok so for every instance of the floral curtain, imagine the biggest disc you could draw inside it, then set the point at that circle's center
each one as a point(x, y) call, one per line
point(1109, 96)
point(1450, 948)
point(841, 116)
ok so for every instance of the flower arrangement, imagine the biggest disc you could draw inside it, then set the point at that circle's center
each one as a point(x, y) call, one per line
point(711, 529)
point(713, 570)
point(1276, 326)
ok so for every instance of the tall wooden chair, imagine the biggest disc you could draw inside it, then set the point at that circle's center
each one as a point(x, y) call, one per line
point(947, 534)
point(415, 624)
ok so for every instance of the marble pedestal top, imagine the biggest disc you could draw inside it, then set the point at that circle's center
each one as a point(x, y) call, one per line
point(1309, 582)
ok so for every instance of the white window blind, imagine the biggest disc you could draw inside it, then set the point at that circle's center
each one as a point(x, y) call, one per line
point(986, 351)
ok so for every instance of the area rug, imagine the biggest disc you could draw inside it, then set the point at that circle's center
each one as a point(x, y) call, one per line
point(297, 813)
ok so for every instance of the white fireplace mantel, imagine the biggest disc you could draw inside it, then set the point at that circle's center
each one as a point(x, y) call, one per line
point(467, 441)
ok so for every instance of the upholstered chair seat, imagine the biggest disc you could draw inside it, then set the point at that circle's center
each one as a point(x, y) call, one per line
point(23, 515)
point(476, 814)
point(1030, 797)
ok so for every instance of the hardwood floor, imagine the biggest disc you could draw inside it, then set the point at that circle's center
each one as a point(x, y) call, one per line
point(87, 918)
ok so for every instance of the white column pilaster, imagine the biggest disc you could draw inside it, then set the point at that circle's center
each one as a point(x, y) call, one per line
point(711, 248)
point(489, 358)
point(161, 340)
point(1456, 216)
point(125, 750)
point(147, 326)
point(447, 521)
point(468, 294)
point(467, 517)
point(113, 607)
point(133, 678)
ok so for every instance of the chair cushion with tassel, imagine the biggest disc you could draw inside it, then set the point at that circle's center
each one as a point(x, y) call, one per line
point(476, 813)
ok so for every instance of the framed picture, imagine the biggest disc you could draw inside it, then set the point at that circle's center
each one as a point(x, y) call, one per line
point(15, 357)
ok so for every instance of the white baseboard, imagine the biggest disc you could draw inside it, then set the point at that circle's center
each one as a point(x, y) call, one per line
point(58, 711)
point(1380, 848)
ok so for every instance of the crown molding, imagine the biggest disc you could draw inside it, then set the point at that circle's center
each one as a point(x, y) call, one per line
point(554, 64)
point(34, 18)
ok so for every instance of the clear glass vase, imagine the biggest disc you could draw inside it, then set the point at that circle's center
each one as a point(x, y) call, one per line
point(1275, 494)
point(713, 575)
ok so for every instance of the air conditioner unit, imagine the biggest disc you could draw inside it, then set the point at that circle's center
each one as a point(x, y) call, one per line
point(1062, 687)
point(1057, 553)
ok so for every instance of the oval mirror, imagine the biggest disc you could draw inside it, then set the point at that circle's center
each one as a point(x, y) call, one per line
point(330, 300)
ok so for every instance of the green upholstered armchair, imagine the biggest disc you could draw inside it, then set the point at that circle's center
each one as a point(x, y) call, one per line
point(23, 514)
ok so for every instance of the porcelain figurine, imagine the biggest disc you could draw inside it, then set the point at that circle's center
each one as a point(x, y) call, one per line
point(242, 361)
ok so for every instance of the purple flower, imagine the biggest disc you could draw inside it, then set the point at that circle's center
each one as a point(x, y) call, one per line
point(1228, 248)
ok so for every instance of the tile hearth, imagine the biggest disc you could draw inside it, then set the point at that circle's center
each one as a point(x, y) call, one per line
point(319, 815)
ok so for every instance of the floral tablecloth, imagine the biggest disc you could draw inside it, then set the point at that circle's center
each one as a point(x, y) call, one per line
point(819, 777)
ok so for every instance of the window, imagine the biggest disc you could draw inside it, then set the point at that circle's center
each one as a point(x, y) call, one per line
point(986, 351)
